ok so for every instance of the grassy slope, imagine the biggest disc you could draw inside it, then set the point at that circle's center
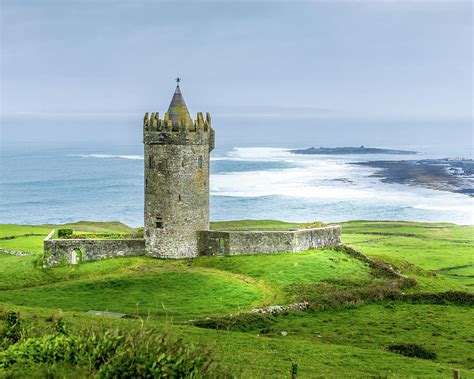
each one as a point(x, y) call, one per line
point(188, 294)
point(440, 249)
point(345, 342)
point(143, 285)
point(282, 270)
point(352, 342)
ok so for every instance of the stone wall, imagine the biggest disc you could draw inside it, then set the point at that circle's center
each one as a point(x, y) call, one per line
point(74, 251)
point(266, 242)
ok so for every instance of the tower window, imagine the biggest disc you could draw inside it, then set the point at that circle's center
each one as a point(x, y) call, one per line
point(182, 163)
point(159, 223)
point(150, 162)
point(199, 161)
point(179, 197)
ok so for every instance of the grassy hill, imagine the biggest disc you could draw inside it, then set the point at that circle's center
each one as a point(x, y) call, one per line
point(356, 311)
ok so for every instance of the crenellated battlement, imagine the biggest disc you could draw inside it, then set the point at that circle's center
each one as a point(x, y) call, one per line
point(158, 130)
point(153, 123)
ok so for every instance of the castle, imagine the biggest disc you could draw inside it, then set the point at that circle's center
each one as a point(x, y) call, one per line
point(176, 210)
point(177, 156)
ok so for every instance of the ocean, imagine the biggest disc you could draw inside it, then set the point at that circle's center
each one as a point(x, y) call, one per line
point(103, 184)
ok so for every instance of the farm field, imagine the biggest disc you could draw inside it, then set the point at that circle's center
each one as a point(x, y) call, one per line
point(355, 312)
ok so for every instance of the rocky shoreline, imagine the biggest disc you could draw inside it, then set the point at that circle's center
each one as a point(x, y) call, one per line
point(453, 175)
point(350, 150)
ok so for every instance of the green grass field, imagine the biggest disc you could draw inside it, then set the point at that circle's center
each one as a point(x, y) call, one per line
point(350, 340)
point(440, 249)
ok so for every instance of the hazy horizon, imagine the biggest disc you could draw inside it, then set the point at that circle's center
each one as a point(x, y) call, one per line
point(318, 73)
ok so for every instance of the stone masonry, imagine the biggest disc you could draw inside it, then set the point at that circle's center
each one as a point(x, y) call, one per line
point(267, 242)
point(177, 156)
point(176, 218)
point(75, 251)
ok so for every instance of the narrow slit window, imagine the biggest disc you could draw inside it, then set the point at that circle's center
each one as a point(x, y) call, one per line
point(150, 162)
point(159, 223)
point(199, 162)
point(179, 197)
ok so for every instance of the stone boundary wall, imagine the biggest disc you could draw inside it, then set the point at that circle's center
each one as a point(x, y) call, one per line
point(267, 242)
point(74, 251)
point(14, 252)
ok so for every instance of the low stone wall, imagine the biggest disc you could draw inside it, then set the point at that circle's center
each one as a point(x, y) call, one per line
point(266, 242)
point(14, 252)
point(74, 251)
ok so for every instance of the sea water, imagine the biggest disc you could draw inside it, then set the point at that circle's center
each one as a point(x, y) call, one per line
point(104, 184)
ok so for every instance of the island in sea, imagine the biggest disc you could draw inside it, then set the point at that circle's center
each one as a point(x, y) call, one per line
point(350, 150)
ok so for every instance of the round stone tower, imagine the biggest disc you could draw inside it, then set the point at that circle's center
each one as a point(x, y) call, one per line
point(177, 152)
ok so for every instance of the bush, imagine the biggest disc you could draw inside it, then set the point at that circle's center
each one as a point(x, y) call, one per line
point(46, 349)
point(442, 298)
point(12, 331)
point(109, 354)
point(242, 322)
point(156, 357)
point(412, 350)
point(60, 326)
point(336, 293)
point(64, 232)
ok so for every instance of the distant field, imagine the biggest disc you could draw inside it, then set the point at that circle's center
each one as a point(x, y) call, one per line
point(438, 248)
point(347, 341)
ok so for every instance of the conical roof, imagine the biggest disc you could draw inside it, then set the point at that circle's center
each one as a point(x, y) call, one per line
point(177, 111)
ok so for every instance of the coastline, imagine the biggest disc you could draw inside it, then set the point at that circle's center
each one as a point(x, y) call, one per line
point(453, 175)
point(350, 150)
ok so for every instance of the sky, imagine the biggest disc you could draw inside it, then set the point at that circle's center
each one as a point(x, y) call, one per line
point(330, 71)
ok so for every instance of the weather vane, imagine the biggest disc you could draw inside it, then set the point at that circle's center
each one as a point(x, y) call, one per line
point(178, 80)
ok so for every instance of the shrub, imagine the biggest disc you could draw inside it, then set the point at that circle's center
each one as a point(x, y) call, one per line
point(60, 326)
point(156, 357)
point(46, 349)
point(64, 232)
point(110, 354)
point(12, 331)
point(442, 298)
point(242, 322)
point(336, 293)
point(412, 350)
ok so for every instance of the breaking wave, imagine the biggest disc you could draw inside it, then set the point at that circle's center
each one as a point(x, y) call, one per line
point(325, 181)
point(107, 156)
